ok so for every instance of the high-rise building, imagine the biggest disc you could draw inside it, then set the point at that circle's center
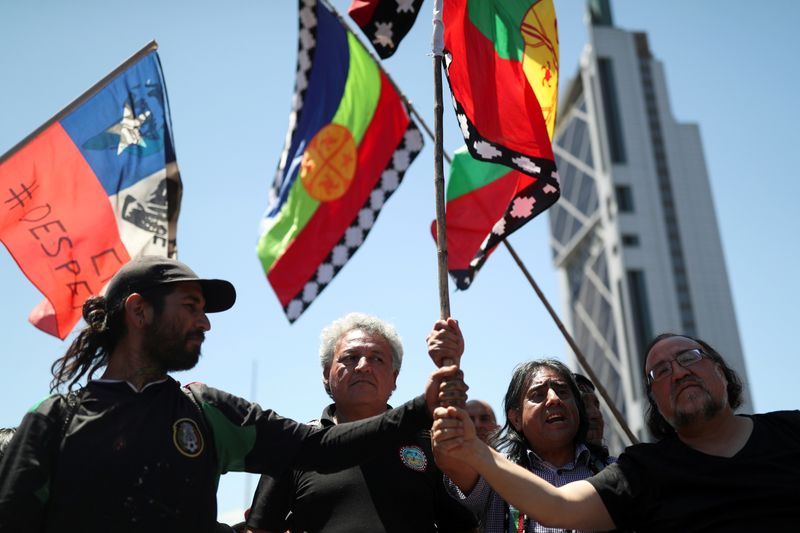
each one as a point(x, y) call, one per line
point(634, 235)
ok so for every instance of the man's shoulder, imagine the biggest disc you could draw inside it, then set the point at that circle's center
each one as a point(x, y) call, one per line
point(48, 404)
point(788, 416)
point(203, 392)
point(779, 422)
point(644, 448)
point(56, 405)
point(643, 456)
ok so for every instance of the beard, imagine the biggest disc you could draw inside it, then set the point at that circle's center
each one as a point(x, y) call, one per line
point(168, 348)
point(708, 410)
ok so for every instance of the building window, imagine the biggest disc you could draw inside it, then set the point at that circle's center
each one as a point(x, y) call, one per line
point(624, 196)
point(630, 240)
point(611, 110)
point(640, 310)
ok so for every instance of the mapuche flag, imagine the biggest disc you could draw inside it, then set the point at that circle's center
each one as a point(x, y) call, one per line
point(349, 143)
point(93, 187)
point(502, 66)
point(485, 204)
point(385, 22)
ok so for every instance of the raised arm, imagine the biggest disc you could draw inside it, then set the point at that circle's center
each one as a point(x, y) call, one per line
point(250, 439)
point(575, 506)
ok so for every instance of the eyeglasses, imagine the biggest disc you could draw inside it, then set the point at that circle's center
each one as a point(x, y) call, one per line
point(686, 359)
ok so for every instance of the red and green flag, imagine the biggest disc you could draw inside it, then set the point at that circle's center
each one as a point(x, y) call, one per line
point(349, 144)
point(502, 66)
point(501, 60)
point(485, 204)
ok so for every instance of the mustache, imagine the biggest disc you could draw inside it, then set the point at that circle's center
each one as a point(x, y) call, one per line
point(196, 335)
point(693, 380)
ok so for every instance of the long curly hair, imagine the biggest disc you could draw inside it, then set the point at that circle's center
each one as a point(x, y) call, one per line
point(657, 424)
point(95, 343)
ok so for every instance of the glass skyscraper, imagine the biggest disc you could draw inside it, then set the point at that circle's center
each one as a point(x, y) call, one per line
point(634, 236)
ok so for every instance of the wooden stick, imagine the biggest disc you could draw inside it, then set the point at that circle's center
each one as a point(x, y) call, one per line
point(578, 353)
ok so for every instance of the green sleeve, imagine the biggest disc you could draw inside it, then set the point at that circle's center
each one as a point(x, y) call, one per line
point(251, 439)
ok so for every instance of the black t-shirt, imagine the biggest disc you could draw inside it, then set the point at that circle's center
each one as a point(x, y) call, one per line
point(400, 489)
point(150, 461)
point(668, 486)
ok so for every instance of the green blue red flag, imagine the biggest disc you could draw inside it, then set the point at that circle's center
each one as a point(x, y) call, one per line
point(501, 60)
point(385, 22)
point(95, 186)
point(349, 144)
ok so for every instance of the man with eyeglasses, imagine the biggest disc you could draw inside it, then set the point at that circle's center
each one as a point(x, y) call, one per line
point(710, 470)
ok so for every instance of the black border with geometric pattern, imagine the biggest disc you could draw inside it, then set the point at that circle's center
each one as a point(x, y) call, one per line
point(307, 46)
point(546, 174)
point(308, 24)
point(463, 278)
point(412, 130)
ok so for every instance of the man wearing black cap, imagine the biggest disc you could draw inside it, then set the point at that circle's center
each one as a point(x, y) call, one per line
point(133, 451)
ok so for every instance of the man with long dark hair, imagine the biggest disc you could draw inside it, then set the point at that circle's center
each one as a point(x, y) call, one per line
point(544, 432)
point(711, 470)
point(132, 450)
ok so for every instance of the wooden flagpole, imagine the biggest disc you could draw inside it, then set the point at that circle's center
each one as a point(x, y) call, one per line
point(438, 159)
point(438, 178)
point(619, 419)
point(572, 344)
point(439, 155)
point(441, 242)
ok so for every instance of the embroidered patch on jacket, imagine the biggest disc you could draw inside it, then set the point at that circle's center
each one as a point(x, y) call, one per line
point(187, 437)
point(414, 458)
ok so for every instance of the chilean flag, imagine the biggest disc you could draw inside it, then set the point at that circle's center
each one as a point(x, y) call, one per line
point(93, 187)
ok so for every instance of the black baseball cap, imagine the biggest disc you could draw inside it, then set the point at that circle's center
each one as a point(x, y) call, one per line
point(150, 271)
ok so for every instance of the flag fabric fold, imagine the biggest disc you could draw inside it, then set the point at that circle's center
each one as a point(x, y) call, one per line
point(501, 60)
point(94, 187)
point(485, 204)
point(385, 22)
point(349, 143)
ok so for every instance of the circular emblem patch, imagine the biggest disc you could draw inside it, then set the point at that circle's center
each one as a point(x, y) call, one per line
point(329, 163)
point(414, 458)
point(187, 437)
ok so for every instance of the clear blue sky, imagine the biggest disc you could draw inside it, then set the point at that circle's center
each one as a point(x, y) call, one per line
point(229, 68)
